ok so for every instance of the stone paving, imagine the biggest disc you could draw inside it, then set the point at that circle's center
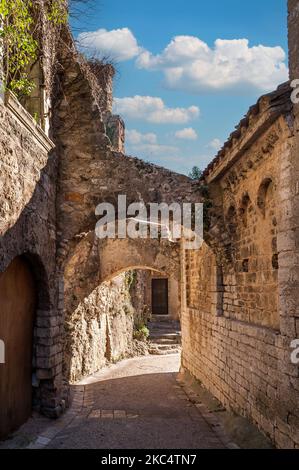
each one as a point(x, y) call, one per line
point(136, 404)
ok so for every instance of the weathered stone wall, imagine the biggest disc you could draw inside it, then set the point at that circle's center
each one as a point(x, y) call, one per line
point(293, 20)
point(139, 292)
point(239, 292)
point(91, 172)
point(251, 195)
point(28, 175)
point(241, 351)
point(290, 203)
point(100, 330)
point(28, 227)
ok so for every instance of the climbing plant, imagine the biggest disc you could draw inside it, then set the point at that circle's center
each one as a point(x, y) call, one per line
point(20, 45)
point(196, 174)
point(57, 12)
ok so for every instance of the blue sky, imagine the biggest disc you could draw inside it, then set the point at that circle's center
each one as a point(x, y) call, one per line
point(181, 94)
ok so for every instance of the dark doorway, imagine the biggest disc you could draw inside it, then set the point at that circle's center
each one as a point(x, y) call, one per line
point(160, 296)
point(17, 310)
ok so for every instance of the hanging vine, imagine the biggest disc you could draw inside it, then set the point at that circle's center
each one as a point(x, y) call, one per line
point(19, 21)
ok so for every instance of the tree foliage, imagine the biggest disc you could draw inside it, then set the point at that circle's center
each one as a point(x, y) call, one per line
point(195, 173)
point(20, 46)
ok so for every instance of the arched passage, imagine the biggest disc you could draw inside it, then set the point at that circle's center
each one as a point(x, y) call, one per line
point(98, 309)
point(92, 261)
point(17, 314)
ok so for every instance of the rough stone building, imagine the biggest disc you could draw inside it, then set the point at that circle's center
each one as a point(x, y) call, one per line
point(240, 309)
point(74, 290)
point(238, 296)
point(237, 323)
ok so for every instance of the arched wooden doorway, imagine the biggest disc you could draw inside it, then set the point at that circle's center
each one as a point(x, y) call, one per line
point(17, 311)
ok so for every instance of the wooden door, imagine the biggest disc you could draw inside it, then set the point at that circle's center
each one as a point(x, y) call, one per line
point(17, 309)
point(160, 296)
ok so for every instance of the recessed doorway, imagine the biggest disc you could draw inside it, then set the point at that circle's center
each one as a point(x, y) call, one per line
point(17, 312)
point(160, 296)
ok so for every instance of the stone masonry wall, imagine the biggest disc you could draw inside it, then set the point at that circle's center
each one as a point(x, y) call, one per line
point(28, 175)
point(252, 213)
point(91, 172)
point(100, 330)
point(28, 227)
point(139, 292)
point(290, 204)
point(241, 352)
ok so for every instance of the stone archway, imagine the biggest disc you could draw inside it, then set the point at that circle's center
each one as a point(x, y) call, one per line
point(92, 261)
point(95, 286)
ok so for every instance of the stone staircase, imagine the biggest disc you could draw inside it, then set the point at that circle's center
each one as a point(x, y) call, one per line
point(165, 335)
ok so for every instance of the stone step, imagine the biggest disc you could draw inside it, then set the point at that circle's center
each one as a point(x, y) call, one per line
point(171, 345)
point(165, 334)
point(161, 341)
point(164, 325)
point(171, 339)
point(163, 352)
point(163, 347)
point(162, 319)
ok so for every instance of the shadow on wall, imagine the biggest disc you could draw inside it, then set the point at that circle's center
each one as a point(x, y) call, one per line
point(99, 328)
point(32, 240)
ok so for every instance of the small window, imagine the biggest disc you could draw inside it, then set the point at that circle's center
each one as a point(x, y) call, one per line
point(264, 194)
point(245, 266)
point(275, 264)
point(243, 211)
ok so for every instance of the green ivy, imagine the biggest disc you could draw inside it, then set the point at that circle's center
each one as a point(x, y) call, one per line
point(20, 47)
point(57, 12)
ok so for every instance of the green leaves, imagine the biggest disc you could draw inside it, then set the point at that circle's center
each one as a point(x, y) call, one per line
point(20, 47)
point(22, 86)
point(57, 12)
point(195, 173)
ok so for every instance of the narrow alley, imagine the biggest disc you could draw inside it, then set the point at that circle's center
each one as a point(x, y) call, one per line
point(135, 404)
point(149, 272)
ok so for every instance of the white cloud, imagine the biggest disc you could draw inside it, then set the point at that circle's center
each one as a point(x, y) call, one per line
point(186, 134)
point(134, 137)
point(153, 110)
point(147, 144)
point(117, 44)
point(215, 144)
point(190, 64)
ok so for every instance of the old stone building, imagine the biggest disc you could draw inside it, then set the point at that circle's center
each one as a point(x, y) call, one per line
point(237, 325)
point(237, 296)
